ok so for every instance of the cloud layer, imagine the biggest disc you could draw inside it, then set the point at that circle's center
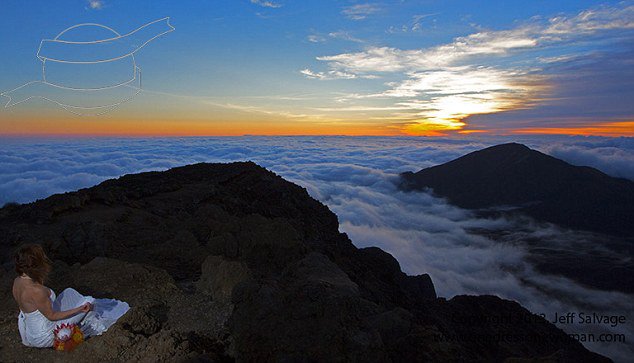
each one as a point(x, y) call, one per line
point(355, 177)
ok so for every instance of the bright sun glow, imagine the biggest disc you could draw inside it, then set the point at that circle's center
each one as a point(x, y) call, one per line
point(457, 94)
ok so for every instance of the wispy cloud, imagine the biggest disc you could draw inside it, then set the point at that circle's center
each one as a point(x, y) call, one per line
point(261, 110)
point(591, 21)
point(339, 34)
point(360, 11)
point(314, 38)
point(266, 4)
point(334, 74)
point(467, 76)
point(560, 58)
point(415, 25)
point(344, 35)
point(96, 4)
point(417, 21)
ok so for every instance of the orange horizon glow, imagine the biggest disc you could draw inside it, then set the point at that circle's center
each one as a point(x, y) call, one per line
point(610, 129)
point(76, 127)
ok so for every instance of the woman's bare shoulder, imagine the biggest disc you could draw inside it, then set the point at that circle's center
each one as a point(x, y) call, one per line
point(29, 296)
point(40, 290)
point(30, 288)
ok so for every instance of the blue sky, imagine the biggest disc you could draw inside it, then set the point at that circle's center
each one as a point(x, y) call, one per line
point(346, 67)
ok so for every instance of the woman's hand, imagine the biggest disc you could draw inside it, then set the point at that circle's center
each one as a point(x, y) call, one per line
point(85, 308)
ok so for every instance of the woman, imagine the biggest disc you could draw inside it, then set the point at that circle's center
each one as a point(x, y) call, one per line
point(41, 311)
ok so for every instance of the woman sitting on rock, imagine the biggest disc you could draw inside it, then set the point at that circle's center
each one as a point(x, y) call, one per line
point(41, 311)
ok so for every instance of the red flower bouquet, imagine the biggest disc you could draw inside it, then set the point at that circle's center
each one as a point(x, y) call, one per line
point(67, 337)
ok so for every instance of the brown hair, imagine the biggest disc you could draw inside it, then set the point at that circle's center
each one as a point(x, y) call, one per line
point(30, 259)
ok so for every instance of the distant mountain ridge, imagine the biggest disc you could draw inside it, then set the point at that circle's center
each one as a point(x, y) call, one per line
point(539, 185)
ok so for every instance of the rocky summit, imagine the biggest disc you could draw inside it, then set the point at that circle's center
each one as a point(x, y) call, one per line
point(230, 262)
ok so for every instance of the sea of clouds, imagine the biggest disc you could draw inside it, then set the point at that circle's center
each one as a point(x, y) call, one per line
point(355, 177)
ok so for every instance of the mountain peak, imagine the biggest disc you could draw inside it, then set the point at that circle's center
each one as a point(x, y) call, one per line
point(537, 184)
point(511, 146)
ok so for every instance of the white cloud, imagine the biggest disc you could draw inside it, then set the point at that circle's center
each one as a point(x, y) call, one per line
point(333, 74)
point(344, 35)
point(340, 34)
point(591, 21)
point(458, 80)
point(360, 11)
point(96, 4)
point(417, 21)
point(611, 158)
point(314, 38)
point(266, 4)
point(373, 59)
point(415, 25)
point(560, 58)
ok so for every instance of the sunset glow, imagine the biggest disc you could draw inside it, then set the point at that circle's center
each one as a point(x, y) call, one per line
point(625, 128)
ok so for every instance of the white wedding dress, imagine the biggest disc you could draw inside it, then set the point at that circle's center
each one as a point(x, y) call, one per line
point(37, 331)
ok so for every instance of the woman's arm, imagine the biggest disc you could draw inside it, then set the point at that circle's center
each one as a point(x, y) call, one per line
point(44, 305)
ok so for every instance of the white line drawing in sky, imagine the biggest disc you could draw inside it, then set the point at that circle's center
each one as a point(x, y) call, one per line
point(89, 61)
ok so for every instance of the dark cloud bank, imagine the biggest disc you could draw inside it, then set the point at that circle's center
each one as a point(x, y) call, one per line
point(355, 178)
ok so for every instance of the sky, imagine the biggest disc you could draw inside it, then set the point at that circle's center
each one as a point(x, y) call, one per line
point(288, 67)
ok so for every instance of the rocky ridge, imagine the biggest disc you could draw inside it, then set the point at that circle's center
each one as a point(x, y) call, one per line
point(230, 262)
